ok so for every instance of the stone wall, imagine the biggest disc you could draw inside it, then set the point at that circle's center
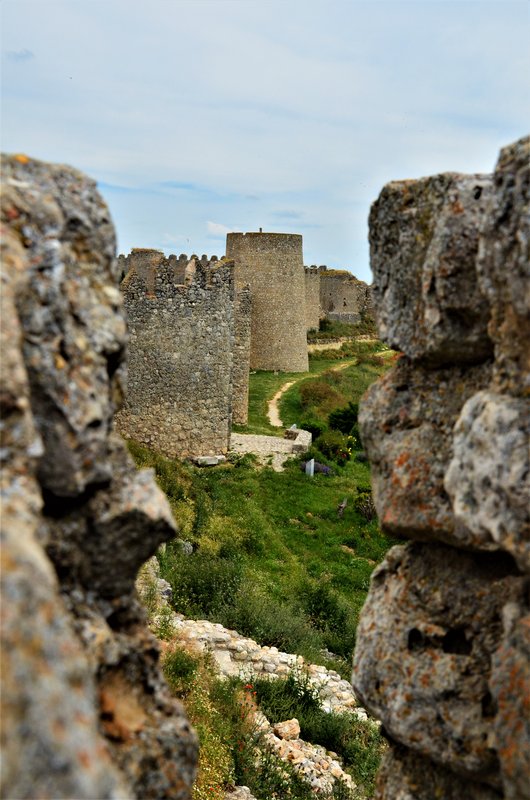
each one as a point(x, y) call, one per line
point(443, 649)
point(85, 712)
point(343, 297)
point(312, 298)
point(271, 265)
point(186, 355)
point(241, 356)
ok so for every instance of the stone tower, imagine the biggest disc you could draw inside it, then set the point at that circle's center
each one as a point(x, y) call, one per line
point(271, 264)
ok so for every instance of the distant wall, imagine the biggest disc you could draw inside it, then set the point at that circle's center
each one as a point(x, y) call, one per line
point(343, 296)
point(179, 395)
point(271, 265)
point(312, 298)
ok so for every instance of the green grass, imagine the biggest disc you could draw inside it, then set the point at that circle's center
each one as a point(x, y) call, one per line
point(232, 749)
point(272, 557)
point(269, 548)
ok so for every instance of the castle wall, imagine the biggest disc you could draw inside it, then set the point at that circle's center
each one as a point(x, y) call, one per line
point(312, 298)
point(241, 356)
point(442, 654)
point(179, 387)
point(343, 297)
point(271, 265)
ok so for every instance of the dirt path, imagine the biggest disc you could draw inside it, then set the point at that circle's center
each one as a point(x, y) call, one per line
point(273, 412)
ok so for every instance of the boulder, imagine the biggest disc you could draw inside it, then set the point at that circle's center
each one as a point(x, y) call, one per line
point(405, 775)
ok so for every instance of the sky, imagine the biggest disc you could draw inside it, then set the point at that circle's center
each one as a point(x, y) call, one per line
point(200, 117)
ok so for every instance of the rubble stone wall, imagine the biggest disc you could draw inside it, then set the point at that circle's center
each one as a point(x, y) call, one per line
point(443, 647)
point(271, 265)
point(187, 355)
point(312, 298)
point(343, 297)
point(85, 712)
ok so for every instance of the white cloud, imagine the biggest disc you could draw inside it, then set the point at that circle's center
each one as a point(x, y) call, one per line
point(308, 106)
point(217, 229)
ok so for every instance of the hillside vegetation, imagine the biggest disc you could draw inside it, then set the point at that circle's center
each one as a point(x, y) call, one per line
point(282, 557)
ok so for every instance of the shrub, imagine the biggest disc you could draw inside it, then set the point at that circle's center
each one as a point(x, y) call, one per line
point(364, 505)
point(318, 393)
point(335, 446)
point(345, 419)
point(314, 426)
point(202, 584)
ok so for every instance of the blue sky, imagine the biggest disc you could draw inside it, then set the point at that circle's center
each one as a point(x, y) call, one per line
point(197, 117)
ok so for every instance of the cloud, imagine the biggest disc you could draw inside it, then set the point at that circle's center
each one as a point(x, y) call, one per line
point(20, 55)
point(217, 229)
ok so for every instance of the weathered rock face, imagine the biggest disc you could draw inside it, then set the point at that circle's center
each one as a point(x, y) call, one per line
point(425, 673)
point(85, 712)
point(503, 267)
point(415, 409)
point(423, 247)
point(443, 651)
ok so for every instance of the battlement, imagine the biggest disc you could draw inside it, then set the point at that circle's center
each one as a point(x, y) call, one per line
point(151, 272)
point(188, 353)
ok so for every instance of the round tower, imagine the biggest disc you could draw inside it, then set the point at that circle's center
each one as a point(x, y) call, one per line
point(272, 265)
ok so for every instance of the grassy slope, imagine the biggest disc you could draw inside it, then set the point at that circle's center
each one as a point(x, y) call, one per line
point(272, 558)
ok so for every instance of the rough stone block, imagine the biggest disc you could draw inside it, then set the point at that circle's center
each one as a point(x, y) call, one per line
point(428, 630)
point(510, 687)
point(290, 729)
point(86, 712)
point(423, 247)
point(503, 267)
point(488, 479)
point(405, 775)
point(406, 421)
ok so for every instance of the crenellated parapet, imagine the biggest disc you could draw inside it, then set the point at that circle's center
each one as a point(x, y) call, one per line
point(188, 359)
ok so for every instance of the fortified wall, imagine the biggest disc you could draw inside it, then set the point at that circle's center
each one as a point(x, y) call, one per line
point(188, 354)
point(343, 297)
point(271, 265)
point(443, 644)
point(312, 298)
point(85, 712)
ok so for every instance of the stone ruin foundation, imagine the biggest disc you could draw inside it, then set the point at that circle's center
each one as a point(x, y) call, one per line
point(443, 649)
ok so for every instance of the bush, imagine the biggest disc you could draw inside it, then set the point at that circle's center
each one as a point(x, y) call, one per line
point(358, 744)
point(318, 393)
point(345, 419)
point(314, 426)
point(335, 446)
point(202, 584)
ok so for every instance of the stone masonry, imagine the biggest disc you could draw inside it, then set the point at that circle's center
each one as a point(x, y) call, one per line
point(85, 712)
point(271, 265)
point(312, 298)
point(343, 297)
point(188, 354)
point(443, 647)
